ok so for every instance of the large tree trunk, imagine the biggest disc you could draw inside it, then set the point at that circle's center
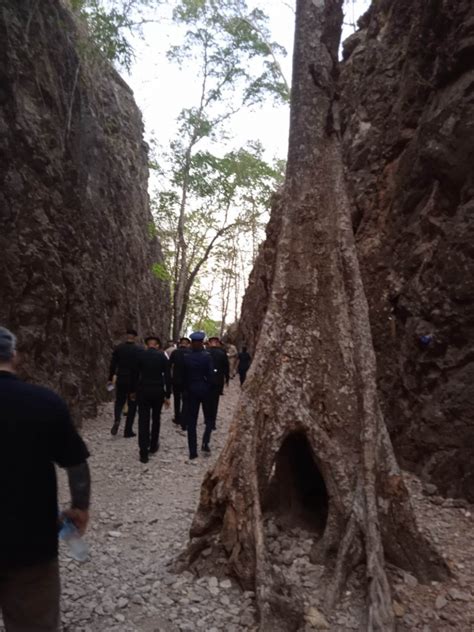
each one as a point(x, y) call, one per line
point(313, 377)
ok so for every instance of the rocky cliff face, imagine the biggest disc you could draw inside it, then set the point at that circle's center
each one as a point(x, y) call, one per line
point(257, 294)
point(407, 97)
point(76, 238)
point(408, 129)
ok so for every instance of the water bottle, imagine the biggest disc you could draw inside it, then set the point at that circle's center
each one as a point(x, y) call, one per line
point(69, 534)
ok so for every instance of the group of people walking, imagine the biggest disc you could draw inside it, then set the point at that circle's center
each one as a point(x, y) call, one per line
point(36, 432)
point(195, 372)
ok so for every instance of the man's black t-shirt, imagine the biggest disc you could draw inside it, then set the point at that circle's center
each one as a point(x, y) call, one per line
point(153, 374)
point(177, 365)
point(244, 361)
point(124, 363)
point(36, 431)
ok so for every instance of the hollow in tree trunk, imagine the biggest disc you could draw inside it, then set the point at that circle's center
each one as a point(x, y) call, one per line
point(312, 385)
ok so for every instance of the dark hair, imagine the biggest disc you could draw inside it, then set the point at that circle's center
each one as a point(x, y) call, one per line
point(244, 349)
point(153, 337)
point(131, 332)
point(214, 338)
point(184, 338)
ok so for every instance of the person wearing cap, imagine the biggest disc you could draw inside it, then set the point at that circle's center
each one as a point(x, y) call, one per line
point(197, 376)
point(122, 367)
point(176, 366)
point(220, 375)
point(152, 384)
point(36, 432)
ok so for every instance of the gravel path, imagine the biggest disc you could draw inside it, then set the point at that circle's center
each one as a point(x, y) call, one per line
point(140, 520)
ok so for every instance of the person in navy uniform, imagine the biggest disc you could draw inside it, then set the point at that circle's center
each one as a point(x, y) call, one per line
point(220, 375)
point(197, 376)
point(176, 365)
point(122, 367)
point(152, 388)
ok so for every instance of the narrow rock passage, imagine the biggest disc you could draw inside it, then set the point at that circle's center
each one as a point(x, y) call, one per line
point(140, 519)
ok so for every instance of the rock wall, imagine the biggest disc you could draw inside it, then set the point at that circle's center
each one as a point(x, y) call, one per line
point(257, 294)
point(407, 114)
point(76, 231)
point(407, 89)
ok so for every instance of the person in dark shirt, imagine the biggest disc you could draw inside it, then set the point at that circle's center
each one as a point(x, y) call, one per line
point(176, 366)
point(197, 376)
point(122, 367)
point(153, 388)
point(220, 376)
point(36, 432)
point(244, 364)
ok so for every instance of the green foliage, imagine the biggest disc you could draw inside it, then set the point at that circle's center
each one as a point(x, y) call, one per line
point(110, 24)
point(240, 58)
point(207, 324)
point(237, 185)
point(232, 191)
point(160, 272)
point(152, 231)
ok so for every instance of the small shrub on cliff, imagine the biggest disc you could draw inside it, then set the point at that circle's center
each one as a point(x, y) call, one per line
point(111, 23)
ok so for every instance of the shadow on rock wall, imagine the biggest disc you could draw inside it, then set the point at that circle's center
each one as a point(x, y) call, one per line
point(76, 239)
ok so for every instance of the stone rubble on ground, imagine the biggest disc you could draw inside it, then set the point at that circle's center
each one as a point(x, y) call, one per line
point(420, 607)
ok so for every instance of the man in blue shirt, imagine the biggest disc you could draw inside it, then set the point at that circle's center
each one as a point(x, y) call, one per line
point(197, 376)
point(36, 432)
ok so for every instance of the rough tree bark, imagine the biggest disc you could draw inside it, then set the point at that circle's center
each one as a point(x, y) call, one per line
point(314, 375)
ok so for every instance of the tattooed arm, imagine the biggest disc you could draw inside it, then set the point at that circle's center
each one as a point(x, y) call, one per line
point(80, 487)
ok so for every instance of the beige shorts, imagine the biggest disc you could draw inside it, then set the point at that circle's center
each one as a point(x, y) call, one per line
point(29, 598)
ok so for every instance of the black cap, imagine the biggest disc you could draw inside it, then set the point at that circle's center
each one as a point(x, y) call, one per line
point(131, 332)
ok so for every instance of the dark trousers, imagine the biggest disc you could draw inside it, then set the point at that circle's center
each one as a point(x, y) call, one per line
point(193, 402)
point(242, 376)
point(178, 401)
point(149, 406)
point(29, 598)
point(122, 395)
point(213, 405)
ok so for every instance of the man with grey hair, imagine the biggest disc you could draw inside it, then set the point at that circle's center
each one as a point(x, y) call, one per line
point(36, 432)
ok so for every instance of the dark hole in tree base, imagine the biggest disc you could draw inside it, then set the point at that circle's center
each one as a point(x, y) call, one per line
point(297, 492)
